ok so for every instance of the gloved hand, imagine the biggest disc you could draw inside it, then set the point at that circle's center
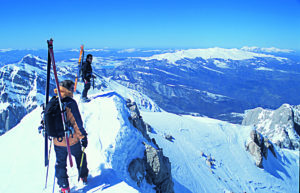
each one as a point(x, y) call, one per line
point(84, 142)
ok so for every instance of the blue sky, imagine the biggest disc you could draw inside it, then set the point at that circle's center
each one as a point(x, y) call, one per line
point(150, 23)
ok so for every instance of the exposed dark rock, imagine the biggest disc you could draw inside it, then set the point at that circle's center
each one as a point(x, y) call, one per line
point(268, 146)
point(154, 167)
point(137, 170)
point(149, 128)
point(158, 168)
point(154, 142)
point(258, 148)
point(169, 137)
point(255, 151)
point(136, 119)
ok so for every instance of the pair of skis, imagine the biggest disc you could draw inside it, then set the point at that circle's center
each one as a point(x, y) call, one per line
point(80, 61)
point(51, 60)
point(63, 115)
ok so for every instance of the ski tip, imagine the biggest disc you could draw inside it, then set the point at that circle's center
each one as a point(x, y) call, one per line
point(50, 42)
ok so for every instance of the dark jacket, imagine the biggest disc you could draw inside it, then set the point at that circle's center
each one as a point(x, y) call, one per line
point(73, 117)
point(87, 71)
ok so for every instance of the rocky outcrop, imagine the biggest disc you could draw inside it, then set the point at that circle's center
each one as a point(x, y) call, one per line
point(154, 166)
point(258, 148)
point(281, 126)
point(137, 170)
point(169, 137)
point(158, 170)
point(137, 120)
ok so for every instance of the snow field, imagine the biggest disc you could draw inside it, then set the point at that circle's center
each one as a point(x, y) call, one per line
point(114, 142)
point(234, 169)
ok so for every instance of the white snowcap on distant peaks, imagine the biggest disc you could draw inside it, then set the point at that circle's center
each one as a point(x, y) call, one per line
point(209, 53)
point(269, 50)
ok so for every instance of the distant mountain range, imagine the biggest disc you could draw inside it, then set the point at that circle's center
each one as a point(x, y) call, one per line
point(215, 82)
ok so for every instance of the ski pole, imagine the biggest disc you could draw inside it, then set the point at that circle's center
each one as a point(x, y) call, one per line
point(46, 102)
point(97, 75)
point(81, 163)
point(53, 183)
point(48, 164)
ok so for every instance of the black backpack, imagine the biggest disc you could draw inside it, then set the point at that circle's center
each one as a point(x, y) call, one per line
point(52, 118)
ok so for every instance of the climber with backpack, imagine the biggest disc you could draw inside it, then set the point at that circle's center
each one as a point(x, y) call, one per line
point(87, 75)
point(55, 129)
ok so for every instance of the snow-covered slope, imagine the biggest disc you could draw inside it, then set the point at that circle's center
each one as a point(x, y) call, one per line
point(209, 53)
point(233, 170)
point(114, 143)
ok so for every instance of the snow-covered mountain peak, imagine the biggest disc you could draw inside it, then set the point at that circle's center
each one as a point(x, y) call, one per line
point(210, 53)
point(281, 126)
point(6, 50)
point(33, 60)
point(21, 88)
point(268, 50)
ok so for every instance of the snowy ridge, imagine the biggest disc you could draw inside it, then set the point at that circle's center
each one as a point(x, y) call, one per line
point(209, 53)
point(114, 142)
point(17, 78)
point(6, 50)
point(129, 50)
point(118, 140)
point(18, 92)
point(269, 50)
point(96, 50)
point(34, 58)
point(264, 68)
point(143, 102)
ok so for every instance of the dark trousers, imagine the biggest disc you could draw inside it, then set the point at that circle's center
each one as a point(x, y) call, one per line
point(61, 163)
point(87, 87)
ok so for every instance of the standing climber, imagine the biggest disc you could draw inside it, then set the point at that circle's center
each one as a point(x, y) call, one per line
point(87, 74)
point(75, 122)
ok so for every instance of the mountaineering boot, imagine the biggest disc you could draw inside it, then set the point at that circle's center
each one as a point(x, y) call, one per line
point(65, 190)
point(84, 180)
